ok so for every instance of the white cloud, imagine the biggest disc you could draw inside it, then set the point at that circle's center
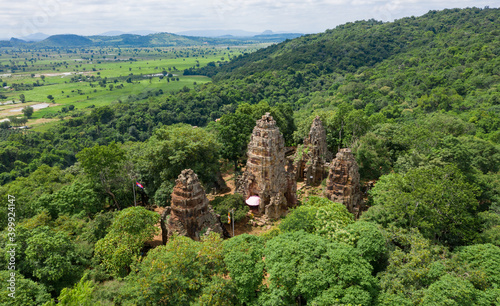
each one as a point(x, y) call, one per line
point(88, 17)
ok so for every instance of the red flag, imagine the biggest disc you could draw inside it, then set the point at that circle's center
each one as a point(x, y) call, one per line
point(137, 183)
point(228, 217)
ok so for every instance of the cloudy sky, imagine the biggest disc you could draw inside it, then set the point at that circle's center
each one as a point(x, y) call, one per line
point(89, 17)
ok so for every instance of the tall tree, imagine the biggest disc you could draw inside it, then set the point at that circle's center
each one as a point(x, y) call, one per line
point(177, 273)
point(131, 228)
point(437, 200)
point(172, 149)
point(103, 163)
point(28, 111)
point(234, 134)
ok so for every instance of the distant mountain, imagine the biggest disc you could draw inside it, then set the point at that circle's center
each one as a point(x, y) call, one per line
point(233, 33)
point(156, 40)
point(276, 37)
point(65, 40)
point(143, 32)
point(218, 33)
point(35, 37)
point(112, 33)
point(150, 40)
point(14, 42)
point(118, 33)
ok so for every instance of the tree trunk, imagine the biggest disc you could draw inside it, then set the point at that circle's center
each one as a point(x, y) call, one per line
point(114, 198)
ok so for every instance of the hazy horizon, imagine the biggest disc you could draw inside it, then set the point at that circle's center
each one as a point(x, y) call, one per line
point(95, 17)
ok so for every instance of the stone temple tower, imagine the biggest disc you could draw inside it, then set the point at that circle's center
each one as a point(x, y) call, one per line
point(265, 175)
point(342, 185)
point(190, 213)
point(310, 158)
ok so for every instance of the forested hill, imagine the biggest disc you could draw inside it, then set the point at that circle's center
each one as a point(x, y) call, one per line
point(443, 61)
point(417, 101)
point(143, 41)
point(448, 36)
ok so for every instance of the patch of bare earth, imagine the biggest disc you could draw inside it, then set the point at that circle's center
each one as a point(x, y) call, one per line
point(241, 227)
point(244, 227)
point(42, 121)
point(16, 109)
point(157, 240)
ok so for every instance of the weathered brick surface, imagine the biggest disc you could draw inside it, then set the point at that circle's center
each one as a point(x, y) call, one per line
point(265, 174)
point(342, 185)
point(310, 158)
point(190, 213)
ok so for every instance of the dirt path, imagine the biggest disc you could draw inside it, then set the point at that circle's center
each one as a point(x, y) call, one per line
point(243, 227)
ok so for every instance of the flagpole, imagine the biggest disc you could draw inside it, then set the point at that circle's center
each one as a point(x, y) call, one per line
point(233, 221)
point(133, 187)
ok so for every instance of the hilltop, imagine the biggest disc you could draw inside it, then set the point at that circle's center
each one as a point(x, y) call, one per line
point(442, 61)
point(363, 44)
point(136, 40)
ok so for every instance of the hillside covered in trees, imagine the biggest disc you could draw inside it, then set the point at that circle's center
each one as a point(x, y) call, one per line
point(417, 100)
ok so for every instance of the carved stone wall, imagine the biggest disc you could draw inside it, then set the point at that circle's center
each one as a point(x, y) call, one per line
point(265, 174)
point(342, 185)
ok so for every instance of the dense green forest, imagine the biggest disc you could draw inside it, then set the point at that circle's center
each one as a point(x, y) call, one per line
point(417, 100)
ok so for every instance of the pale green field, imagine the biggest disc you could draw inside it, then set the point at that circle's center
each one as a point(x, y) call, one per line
point(65, 75)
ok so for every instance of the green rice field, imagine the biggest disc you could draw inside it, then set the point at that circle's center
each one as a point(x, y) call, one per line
point(53, 80)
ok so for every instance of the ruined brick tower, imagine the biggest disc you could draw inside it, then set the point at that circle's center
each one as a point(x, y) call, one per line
point(190, 213)
point(342, 185)
point(311, 157)
point(265, 175)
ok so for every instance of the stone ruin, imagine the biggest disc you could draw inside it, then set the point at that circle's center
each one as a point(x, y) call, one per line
point(266, 175)
point(311, 158)
point(190, 214)
point(342, 185)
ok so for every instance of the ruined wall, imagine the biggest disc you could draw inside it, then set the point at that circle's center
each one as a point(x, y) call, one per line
point(265, 174)
point(342, 185)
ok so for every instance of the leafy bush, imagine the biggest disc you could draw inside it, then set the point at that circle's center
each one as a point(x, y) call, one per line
point(71, 199)
point(222, 205)
point(177, 273)
point(131, 228)
point(98, 227)
point(243, 258)
point(318, 215)
point(300, 218)
point(311, 269)
point(366, 237)
point(27, 292)
point(438, 201)
point(450, 290)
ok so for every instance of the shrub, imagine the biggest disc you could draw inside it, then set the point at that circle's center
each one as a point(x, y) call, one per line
point(222, 205)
